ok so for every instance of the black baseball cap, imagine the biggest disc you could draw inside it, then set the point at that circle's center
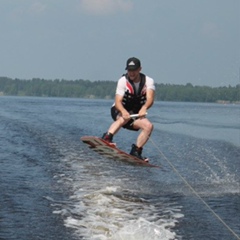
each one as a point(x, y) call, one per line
point(133, 64)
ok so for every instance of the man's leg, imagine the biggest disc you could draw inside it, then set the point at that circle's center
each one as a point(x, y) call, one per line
point(114, 128)
point(116, 125)
point(146, 128)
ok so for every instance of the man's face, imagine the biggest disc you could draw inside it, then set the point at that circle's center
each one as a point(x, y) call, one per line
point(134, 74)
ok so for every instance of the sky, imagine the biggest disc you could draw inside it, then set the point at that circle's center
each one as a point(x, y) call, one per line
point(177, 41)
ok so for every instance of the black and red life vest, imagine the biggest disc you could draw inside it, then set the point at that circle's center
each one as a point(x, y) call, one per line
point(134, 99)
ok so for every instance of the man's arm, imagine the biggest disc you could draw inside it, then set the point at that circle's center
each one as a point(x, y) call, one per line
point(119, 97)
point(119, 106)
point(149, 102)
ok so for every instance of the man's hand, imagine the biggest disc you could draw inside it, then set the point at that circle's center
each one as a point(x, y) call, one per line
point(142, 112)
point(125, 115)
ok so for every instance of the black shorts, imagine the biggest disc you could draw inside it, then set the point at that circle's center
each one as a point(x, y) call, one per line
point(128, 125)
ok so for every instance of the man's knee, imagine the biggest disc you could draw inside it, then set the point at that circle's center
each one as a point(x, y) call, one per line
point(122, 121)
point(148, 126)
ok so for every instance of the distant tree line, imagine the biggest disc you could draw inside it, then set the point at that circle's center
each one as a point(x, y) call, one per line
point(106, 90)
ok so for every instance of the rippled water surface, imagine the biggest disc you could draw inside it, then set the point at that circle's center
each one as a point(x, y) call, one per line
point(53, 187)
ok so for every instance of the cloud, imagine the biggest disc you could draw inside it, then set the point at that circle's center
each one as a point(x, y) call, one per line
point(105, 7)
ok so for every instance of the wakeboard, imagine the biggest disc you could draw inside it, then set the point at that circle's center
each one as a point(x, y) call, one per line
point(110, 150)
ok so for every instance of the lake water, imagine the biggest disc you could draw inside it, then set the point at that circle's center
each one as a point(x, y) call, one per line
point(53, 187)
